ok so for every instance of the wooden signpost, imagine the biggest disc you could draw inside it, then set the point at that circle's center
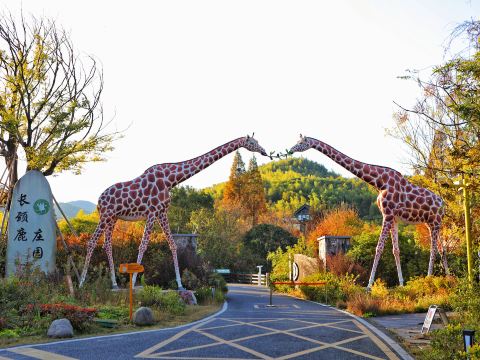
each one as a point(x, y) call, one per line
point(131, 269)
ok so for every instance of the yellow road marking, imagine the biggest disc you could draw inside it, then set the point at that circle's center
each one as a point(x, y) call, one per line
point(196, 358)
point(5, 358)
point(40, 354)
point(231, 325)
point(324, 345)
point(365, 333)
point(146, 353)
point(238, 346)
point(390, 354)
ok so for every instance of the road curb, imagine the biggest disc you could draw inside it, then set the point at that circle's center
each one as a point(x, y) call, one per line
point(389, 341)
point(221, 311)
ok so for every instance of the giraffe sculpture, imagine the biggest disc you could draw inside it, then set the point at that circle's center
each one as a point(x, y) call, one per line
point(147, 197)
point(398, 200)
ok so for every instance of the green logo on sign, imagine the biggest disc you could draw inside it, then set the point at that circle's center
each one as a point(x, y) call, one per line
point(41, 206)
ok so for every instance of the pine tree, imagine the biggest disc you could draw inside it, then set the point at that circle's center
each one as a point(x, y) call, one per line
point(233, 187)
point(253, 195)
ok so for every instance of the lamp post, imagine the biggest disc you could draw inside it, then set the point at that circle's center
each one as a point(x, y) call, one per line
point(463, 185)
point(468, 340)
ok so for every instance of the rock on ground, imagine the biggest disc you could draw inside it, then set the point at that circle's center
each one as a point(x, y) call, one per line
point(60, 328)
point(188, 297)
point(143, 316)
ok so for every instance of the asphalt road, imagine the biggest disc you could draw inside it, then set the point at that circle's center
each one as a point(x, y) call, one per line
point(246, 329)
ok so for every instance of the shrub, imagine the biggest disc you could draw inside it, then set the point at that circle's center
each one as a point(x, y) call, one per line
point(362, 303)
point(172, 303)
point(190, 280)
point(379, 289)
point(79, 317)
point(330, 293)
point(8, 334)
point(217, 281)
point(204, 295)
point(113, 312)
point(169, 301)
point(150, 295)
point(446, 344)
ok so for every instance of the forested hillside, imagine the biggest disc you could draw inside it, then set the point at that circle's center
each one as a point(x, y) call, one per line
point(292, 182)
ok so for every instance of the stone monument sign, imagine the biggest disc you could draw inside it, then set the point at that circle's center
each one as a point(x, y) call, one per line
point(31, 225)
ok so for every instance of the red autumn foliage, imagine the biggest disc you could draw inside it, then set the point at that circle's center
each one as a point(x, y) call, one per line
point(79, 317)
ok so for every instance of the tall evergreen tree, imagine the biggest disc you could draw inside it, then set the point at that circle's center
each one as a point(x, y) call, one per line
point(233, 187)
point(253, 196)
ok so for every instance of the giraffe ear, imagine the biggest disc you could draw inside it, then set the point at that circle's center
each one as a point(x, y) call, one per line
point(301, 136)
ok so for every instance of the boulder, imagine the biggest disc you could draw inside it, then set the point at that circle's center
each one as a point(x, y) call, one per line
point(143, 316)
point(60, 328)
point(188, 297)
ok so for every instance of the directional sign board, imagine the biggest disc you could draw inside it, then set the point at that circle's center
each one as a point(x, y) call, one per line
point(31, 225)
point(130, 268)
point(432, 310)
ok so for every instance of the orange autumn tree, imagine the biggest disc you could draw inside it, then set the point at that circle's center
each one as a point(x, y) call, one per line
point(337, 222)
point(233, 188)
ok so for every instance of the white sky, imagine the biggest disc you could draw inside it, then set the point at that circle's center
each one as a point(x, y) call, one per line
point(187, 76)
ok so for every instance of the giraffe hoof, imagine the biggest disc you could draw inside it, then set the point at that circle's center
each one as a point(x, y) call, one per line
point(368, 289)
point(115, 287)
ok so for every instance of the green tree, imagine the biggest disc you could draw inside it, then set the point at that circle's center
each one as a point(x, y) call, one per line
point(265, 238)
point(413, 258)
point(49, 99)
point(186, 200)
point(442, 129)
point(219, 240)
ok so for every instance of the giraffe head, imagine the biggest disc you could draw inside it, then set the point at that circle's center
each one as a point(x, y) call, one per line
point(303, 144)
point(253, 145)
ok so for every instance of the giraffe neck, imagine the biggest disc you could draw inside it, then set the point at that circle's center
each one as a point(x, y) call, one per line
point(372, 174)
point(186, 169)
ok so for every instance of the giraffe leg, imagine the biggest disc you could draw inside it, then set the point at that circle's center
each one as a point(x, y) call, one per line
point(396, 251)
point(434, 235)
point(144, 242)
point(387, 225)
point(107, 245)
point(166, 229)
point(90, 246)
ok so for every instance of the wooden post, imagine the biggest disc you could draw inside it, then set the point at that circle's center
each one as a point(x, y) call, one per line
point(131, 269)
point(131, 297)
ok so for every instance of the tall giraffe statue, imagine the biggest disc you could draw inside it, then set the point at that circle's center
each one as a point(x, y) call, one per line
point(147, 197)
point(398, 200)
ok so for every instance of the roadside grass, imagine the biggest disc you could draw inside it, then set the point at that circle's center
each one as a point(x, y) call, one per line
point(163, 320)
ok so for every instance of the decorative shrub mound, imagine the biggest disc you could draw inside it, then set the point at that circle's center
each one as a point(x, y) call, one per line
point(79, 317)
point(169, 301)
